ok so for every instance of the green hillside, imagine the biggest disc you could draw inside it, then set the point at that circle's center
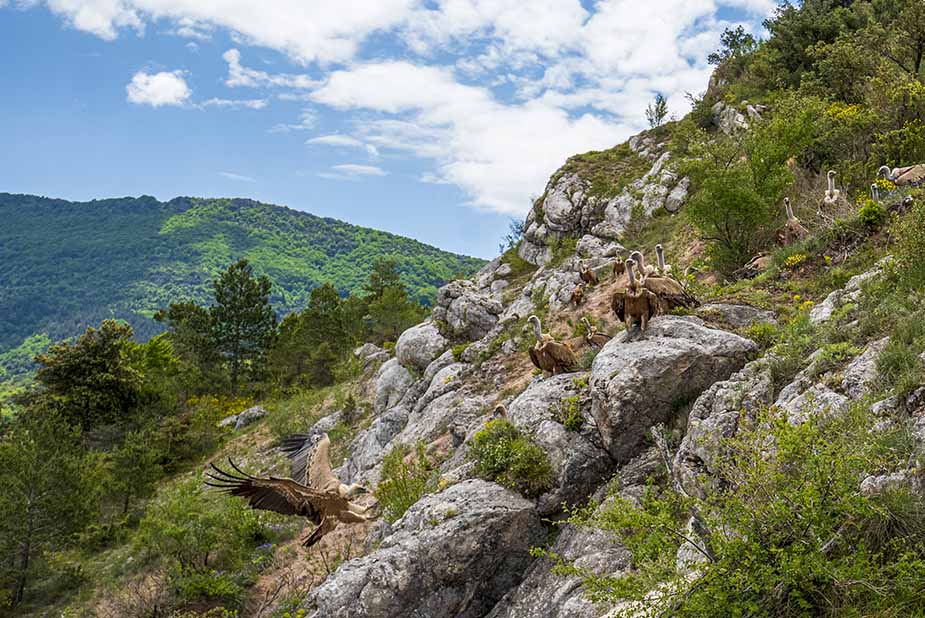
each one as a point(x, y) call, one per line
point(68, 265)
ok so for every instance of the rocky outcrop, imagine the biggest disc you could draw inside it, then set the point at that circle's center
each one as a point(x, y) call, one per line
point(576, 454)
point(243, 419)
point(418, 346)
point(717, 415)
point(464, 313)
point(455, 553)
point(849, 294)
point(639, 381)
point(862, 372)
point(736, 316)
point(546, 594)
point(370, 353)
point(392, 382)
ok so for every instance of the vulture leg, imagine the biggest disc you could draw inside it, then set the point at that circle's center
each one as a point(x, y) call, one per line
point(326, 525)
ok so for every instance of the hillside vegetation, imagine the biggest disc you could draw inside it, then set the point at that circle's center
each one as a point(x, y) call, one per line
point(760, 454)
point(68, 265)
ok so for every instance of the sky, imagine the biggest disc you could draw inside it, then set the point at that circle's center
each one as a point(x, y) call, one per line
point(435, 119)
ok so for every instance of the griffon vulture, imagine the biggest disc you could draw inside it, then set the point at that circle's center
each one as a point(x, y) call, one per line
point(593, 337)
point(792, 231)
point(587, 274)
point(636, 302)
point(831, 193)
point(317, 494)
point(901, 176)
point(550, 355)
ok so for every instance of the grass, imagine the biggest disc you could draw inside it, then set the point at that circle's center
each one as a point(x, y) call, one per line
point(608, 172)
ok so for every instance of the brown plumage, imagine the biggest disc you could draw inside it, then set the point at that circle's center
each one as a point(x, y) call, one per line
point(618, 268)
point(318, 495)
point(668, 292)
point(587, 274)
point(593, 337)
point(635, 303)
point(578, 295)
point(500, 411)
point(902, 176)
point(550, 355)
point(792, 231)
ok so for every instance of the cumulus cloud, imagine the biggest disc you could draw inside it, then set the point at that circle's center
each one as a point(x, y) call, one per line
point(158, 89)
point(518, 88)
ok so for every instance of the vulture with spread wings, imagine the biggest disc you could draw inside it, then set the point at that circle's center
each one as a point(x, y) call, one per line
point(313, 492)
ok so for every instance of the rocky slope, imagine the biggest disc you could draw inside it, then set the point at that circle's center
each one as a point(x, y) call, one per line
point(464, 551)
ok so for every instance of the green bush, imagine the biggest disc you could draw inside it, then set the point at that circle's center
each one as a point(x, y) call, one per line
point(197, 585)
point(569, 413)
point(910, 246)
point(503, 455)
point(406, 477)
point(762, 333)
point(786, 534)
point(872, 214)
point(294, 413)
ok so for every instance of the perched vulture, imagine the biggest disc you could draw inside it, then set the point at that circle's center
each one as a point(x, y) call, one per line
point(901, 176)
point(587, 274)
point(634, 303)
point(593, 337)
point(578, 295)
point(663, 267)
point(831, 193)
point(315, 492)
point(792, 231)
point(550, 355)
point(644, 269)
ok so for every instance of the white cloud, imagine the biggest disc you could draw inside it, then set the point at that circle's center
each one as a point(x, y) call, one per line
point(237, 177)
point(307, 120)
point(336, 140)
point(239, 75)
point(157, 89)
point(352, 171)
point(498, 154)
point(235, 103)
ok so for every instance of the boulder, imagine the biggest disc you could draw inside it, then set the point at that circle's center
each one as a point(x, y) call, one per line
point(818, 399)
point(455, 553)
point(392, 382)
point(418, 346)
point(577, 456)
point(849, 294)
point(243, 419)
point(717, 415)
point(370, 353)
point(736, 316)
point(862, 371)
point(464, 313)
point(372, 445)
point(644, 379)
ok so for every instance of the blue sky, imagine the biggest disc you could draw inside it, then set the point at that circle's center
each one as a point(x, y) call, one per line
point(434, 119)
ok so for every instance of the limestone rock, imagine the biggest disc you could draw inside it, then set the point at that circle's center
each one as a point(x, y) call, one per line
point(464, 312)
point(736, 316)
point(455, 553)
point(577, 456)
point(717, 415)
point(418, 346)
point(392, 382)
point(640, 381)
point(862, 371)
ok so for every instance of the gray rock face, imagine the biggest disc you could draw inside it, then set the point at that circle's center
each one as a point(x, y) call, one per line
point(372, 444)
point(736, 316)
point(727, 118)
point(641, 382)
point(717, 415)
point(816, 400)
point(578, 458)
point(418, 346)
point(466, 313)
point(243, 419)
point(861, 373)
point(544, 594)
point(392, 382)
point(849, 294)
point(453, 554)
point(370, 353)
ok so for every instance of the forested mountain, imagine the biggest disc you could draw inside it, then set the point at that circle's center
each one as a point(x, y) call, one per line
point(67, 265)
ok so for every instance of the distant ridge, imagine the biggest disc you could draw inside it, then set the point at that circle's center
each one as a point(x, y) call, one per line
point(67, 265)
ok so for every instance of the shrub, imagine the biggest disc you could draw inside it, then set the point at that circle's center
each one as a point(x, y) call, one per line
point(872, 214)
point(197, 585)
point(910, 246)
point(296, 413)
point(406, 477)
point(762, 333)
point(503, 455)
point(568, 413)
point(785, 534)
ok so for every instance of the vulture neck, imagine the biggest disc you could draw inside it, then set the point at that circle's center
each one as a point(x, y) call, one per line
point(538, 331)
point(789, 210)
point(660, 254)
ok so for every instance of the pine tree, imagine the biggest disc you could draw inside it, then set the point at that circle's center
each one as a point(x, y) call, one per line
point(243, 322)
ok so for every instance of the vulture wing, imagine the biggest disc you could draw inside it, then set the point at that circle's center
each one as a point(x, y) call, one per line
point(670, 293)
point(618, 304)
point(911, 174)
point(320, 475)
point(535, 357)
point(283, 496)
point(299, 448)
point(562, 355)
point(598, 340)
